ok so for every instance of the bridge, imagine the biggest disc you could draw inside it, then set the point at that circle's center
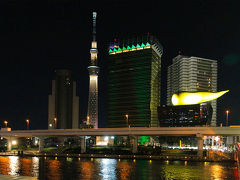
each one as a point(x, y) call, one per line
point(137, 131)
point(133, 132)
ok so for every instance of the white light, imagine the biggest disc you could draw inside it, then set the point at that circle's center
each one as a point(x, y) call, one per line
point(14, 142)
point(50, 125)
point(93, 78)
point(112, 137)
point(106, 138)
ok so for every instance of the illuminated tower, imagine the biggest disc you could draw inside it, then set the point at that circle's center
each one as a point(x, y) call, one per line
point(92, 115)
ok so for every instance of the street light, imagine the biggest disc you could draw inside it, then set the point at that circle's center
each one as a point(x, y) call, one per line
point(227, 112)
point(27, 121)
point(127, 120)
point(5, 122)
point(55, 122)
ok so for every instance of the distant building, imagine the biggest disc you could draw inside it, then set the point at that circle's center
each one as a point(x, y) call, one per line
point(193, 74)
point(63, 104)
point(134, 74)
point(185, 116)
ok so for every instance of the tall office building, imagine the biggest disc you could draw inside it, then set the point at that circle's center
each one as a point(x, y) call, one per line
point(134, 72)
point(93, 69)
point(193, 74)
point(63, 104)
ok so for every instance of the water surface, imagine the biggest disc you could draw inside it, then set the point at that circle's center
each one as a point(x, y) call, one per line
point(123, 169)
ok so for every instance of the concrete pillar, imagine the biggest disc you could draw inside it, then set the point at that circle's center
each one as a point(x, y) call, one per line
point(9, 144)
point(83, 144)
point(40, 144)
point(213, 140)
point(134, 144)
point(200, 145)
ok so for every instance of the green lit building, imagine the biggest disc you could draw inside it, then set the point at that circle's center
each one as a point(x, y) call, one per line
point(134, 72)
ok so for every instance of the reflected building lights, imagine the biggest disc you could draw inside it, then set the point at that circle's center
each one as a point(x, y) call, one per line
point(35, 166)
point(26, 166)
point(86, 170)
point(124, 170)
point(14, 165)
point(106, 168)
point(54, 168)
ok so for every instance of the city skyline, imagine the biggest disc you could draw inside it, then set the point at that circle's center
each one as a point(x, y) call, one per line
point(34, 46)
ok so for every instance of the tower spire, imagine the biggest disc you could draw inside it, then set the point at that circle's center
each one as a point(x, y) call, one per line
point(94, 25)
point(93, 50)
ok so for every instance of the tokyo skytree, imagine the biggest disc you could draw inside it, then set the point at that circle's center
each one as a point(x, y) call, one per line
point(93, 69)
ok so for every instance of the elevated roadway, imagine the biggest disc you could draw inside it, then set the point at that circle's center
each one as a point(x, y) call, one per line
point(134, 131)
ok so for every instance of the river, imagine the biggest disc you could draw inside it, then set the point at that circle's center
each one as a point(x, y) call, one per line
point(111, 169)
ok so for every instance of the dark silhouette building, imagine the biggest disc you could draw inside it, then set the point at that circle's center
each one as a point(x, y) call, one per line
point(134, 72)
point(63, 105)
point(185, 116)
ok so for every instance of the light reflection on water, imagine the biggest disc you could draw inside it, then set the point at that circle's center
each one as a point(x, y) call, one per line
point(14, 165)
point(111, 169)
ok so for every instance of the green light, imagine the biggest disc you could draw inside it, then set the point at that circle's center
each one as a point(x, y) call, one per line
point(119, 49)
point(138, 46)
point(128, 47)
point(123, 48)
point(133, 47)
point(148, 44)
point(110, 51)
point(143, 45)
point(143, 139)
point(114, 50)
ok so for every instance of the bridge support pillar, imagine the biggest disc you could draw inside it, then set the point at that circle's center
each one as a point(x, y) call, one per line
point(83, 144)
point(200, 145)
point(134, 144)
point(40, 144)
point(9, 144)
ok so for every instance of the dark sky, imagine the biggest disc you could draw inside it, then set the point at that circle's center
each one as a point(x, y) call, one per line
point(37, 37)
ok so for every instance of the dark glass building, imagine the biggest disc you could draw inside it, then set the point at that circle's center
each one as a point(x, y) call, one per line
point(134, 69)
point(63, 104)
point(185, 116)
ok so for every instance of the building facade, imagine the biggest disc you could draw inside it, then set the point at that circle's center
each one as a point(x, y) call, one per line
point(193, 74)
point(63, 104)
point(185, 115)
point(134, 74)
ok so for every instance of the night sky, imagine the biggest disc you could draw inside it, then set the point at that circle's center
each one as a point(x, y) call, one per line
point(37, 37)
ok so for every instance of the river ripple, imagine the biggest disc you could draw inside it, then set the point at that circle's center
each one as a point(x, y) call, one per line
point(111, 169)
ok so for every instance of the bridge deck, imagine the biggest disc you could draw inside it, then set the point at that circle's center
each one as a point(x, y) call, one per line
point(159, 131)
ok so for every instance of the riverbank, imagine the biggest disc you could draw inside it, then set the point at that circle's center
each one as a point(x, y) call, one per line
point(131, 156)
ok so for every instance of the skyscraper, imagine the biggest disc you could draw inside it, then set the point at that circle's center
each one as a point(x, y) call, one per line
point(92, 115)
point(193, 74)
point(63, 104)
point(134, 70)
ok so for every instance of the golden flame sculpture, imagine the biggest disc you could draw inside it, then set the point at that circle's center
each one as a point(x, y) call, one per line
point(188, 98)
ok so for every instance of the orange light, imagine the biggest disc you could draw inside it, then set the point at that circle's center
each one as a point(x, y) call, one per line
point(5, 122)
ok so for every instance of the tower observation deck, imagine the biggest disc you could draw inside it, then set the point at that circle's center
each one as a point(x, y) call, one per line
point(93, 69)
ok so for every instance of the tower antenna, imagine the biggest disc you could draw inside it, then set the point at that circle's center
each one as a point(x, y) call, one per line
point(94, 25)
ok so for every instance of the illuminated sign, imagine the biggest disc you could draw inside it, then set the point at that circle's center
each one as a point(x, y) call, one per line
point(117, 50)
point(188, 98)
